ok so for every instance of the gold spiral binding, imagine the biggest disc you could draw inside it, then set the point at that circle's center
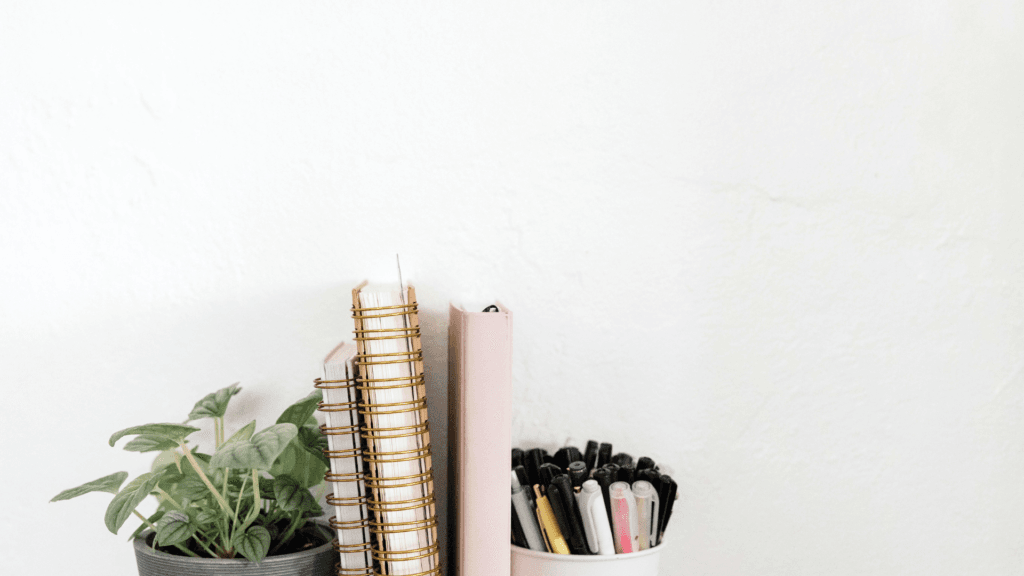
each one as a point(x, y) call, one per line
point(379, 431)
point(362, 548)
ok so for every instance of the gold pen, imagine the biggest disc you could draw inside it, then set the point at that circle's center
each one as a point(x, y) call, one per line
point(549, 525)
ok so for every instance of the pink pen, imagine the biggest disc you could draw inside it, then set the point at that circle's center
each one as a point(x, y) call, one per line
point(625, 527)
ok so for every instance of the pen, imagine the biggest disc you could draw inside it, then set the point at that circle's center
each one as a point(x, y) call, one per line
point(625, 531)
point(622, 459)
point(590, 455)
point(595, 519)
point(561, 491)
point(667, 495)
point(644, 463)
point(518, 538)
point(626, 474)
point(532, 462)
point(517, 457)
point(522, 508)
point(577, 474)
point(549, 525)
point(604, 454)
point(604, 479)
point(646, 513)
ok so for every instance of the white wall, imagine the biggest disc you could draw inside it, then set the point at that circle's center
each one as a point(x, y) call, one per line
point(775, 245)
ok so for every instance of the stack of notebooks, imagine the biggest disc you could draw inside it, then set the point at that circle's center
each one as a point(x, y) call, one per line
point(378, 442)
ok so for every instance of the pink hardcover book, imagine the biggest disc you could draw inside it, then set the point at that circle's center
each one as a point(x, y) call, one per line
point(479, 440)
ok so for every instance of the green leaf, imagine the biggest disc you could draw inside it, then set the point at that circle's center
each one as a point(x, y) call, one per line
point(299, 412)
point(152, 520)
point(165, 459)
point(244, 434)
point(291, 496)
point(206, 518)
point(173, 432)
point(285, 463)
point(128, 498)
point(192, 488)
point(203, 460)
point(259, 452)
point(254, 543)
point(174, 528)
point(147, 443)
point(111, 483)
point(215, 404)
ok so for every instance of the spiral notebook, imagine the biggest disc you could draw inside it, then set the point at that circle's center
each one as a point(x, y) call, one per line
point(346, 476)
point(397, 457)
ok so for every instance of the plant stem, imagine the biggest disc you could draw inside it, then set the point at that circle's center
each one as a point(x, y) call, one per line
point(296, 520)
point(169, 498)
point(220, 499)
point(238, 506)
point(205, 547)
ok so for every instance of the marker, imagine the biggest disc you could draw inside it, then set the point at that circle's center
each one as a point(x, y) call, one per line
point(561, 490)
point(562, 518)
point(622, 459)
point(625, 530)
point(522, 512)
point(547, 473)
point(613, 468)
point(604, 479)
point(524, 480)
point(626, 474)
point(590, 455)
point(518, 538)
point(549, 525)
point(644, 463)
point(517, 457)
point(577, 474)
point(595, 519)
point(667, 495)
point(651, 476)
point(604, 454)
point(646, 513)
point(532, 462)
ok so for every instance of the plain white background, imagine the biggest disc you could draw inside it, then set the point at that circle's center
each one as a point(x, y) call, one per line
point(775, 245)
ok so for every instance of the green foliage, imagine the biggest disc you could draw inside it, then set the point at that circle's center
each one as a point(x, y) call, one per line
point(209, 504)
point(215, 404)
point(254, 543)
point(169, 432)
point(110, 484)
point(258, 452)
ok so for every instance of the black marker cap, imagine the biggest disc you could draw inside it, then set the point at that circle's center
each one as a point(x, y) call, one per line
point(653, 477)
point(626, 474)
point(605, 478)
point(532, 462)
point(666, 495)
point(604, 454)
point(622, 459)
point(560, 489)
point(548, 459)
point(644, 463)
point(562, 457)
point(524, 480)
point(548, 472)
point(517, 457)
point(590, 455)
point(577, 473)
point(613, 468)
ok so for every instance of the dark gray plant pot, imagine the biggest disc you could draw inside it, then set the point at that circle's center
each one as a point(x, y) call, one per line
point(316, 562)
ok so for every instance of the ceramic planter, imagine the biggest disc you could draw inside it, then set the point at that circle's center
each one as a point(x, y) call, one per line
point(318, 561)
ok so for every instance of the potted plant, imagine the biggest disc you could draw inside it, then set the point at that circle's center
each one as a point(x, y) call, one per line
point(247, 508)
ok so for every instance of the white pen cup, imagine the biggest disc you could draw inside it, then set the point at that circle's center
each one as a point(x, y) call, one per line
point(533, 563)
